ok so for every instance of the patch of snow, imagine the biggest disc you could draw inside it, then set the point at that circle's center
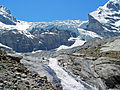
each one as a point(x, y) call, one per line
point(117, 23)
point(21, 27)
point(78, 42)
point(36, 51)
point(1, 45)
point(84, 35)
point(48, 33)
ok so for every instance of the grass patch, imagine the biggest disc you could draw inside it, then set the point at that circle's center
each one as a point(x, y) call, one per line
point(2, 52)
point(95, 52)
point(112, 54)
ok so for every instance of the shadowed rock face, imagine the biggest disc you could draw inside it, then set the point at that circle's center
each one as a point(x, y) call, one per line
point(6, 20)
point(112, 81)
point(94, 24)
point(21, 43)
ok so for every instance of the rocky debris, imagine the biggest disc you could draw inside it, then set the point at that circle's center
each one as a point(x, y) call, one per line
point(14, 75)
point(15, 57)
point(104, 22)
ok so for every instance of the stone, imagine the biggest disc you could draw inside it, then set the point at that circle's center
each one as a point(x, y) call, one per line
point(23, 75)
point(26, 82)
point(15, 57)
point(18, 74)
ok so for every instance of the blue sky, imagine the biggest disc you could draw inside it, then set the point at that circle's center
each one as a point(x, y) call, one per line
point(50, 10)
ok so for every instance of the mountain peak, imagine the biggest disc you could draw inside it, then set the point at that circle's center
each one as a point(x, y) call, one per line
point(106, 18)
point(4, 10)
point(6, 17)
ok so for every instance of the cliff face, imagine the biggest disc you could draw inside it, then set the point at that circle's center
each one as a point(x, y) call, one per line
point(21, 43)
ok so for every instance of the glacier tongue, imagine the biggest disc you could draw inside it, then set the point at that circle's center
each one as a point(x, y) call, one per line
point(67, 81)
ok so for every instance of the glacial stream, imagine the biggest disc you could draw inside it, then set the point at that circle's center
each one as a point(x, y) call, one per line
point(67, 81)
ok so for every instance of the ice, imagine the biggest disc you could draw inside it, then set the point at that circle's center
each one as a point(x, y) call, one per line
point(68, 82)
point(78, 42)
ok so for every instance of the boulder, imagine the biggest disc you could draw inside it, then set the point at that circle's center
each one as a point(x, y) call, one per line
point(15, 57)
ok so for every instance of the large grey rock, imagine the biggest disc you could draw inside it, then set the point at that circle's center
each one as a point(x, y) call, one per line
point(15, 57)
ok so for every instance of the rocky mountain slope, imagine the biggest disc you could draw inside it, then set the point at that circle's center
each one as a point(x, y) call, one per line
point(98, 64)
point(13, 75)
point(94, 65)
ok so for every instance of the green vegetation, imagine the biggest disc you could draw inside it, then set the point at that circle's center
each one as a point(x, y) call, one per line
point(2, 52)
point(112, 54)
point(95, 52)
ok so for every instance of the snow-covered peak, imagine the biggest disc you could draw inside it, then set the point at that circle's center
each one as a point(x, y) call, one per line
point(6, 17)
point(4, 10)
point(109, 15)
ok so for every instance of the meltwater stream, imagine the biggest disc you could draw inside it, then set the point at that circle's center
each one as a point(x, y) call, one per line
point(67, 81)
